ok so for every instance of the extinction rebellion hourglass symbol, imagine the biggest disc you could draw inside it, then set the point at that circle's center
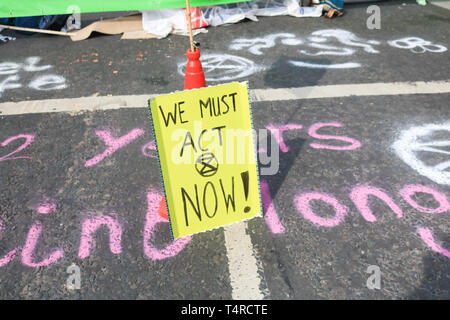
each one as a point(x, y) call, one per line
point(207, 165)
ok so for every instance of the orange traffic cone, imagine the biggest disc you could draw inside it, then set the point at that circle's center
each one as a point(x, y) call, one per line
point(194, 76)
point(162, 209)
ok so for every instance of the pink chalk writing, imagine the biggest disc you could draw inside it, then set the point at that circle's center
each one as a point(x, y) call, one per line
point(149, 146)
point(30, 245)
point(278, 131)
point(408, 191)
point(270, 214)
point(113, 144)
point(303, 204)
point(360, 196)
point(427, 237)
point(354, 144)
point(28, 140)
point(46, 206)
point(7, 258)
point(89, 228)
point(151, 220)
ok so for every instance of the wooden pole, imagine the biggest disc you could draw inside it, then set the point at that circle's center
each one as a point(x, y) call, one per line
point(59, 33)
point(188, 14)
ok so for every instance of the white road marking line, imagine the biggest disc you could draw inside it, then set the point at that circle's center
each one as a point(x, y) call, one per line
point(348, 65)
point(73, 104)
point(442, 4)
point(348, 90)
point(258, 95)
point(242, 263)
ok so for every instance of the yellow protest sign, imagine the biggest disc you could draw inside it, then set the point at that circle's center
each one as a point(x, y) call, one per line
point(206, 150)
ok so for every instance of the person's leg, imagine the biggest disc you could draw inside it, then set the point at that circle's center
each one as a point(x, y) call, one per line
point(6, 21)
point(28, 22)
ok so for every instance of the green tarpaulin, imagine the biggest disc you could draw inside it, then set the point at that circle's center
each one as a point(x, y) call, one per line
point(24, 8)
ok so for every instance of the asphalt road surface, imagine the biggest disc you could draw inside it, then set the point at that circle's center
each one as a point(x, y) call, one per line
point(358, 208)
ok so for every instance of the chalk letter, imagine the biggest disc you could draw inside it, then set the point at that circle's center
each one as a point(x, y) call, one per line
point(91, 225)
point(30, 246)
point(31, 62)
point(29, 139)
point(7, 85)
point(48, 82)
point(354, 144)
point(9, 68)
point(149, 146)
point(10, 255)
point(270, 214)
point(360, 196)
point(113, 143)
point(408, 191)
point(278, 133)
point(302, 203)
point(427, 237)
